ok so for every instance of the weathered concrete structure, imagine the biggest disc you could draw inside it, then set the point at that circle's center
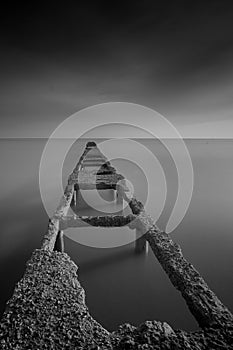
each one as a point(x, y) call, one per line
point(94, 171)
point(48, 310)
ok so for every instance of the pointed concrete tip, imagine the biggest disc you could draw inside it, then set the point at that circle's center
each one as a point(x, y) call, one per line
point(90, 144)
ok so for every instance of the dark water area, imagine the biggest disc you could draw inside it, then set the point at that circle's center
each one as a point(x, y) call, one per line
point(121, 286)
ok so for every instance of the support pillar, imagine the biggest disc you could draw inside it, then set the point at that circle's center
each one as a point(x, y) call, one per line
point(59, 244)
point(112, 195)
point(74, 199)
point(141, 244)
point(119, 198)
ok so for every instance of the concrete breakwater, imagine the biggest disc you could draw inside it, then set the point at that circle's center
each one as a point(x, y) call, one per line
point(48, 309)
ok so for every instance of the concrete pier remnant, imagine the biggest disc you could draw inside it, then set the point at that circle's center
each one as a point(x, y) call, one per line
point(48, 308)
point(94, 171)
point(59, 243)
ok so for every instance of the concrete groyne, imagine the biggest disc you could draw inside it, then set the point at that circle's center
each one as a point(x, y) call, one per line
point(48, 309)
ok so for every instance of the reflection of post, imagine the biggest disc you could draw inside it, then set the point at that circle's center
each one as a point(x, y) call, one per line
point(59, 244)
point(112, 195)
point(141, 244)
point(119, 198)
point(75, 198)
point(119, 201)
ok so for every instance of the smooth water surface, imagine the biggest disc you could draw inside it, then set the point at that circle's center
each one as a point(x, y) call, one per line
point(121, 286)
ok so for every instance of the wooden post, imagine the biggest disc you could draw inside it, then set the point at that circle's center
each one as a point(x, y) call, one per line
point(141, 244)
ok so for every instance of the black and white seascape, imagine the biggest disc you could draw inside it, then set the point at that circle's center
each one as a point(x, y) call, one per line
point(116, 149)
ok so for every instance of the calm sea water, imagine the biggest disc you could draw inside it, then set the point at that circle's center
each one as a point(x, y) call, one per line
point(121, 286)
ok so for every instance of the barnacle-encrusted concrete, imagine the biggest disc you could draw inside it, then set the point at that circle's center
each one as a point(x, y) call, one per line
point(102, 176)
point(101, 221)
point(207, 309)
point(48, 310)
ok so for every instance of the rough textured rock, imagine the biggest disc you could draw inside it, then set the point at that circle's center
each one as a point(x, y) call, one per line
point(103, 175)
point(103, 221)
point(201, 300)
point(62, 210)
point(48, 310)
point(88, 180)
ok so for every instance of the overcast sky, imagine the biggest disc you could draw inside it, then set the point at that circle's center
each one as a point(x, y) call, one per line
point(174, 57)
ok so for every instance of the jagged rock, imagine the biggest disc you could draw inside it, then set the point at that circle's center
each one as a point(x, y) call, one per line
point(48, 310)
point(103, 221)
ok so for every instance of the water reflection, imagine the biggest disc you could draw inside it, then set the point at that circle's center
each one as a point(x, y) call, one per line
point(121, 286)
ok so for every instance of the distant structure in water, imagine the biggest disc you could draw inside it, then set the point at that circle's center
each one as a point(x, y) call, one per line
point(94, 171)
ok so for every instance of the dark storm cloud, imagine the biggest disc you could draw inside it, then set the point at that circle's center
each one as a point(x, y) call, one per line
point(206, 25)
point(59, 58)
